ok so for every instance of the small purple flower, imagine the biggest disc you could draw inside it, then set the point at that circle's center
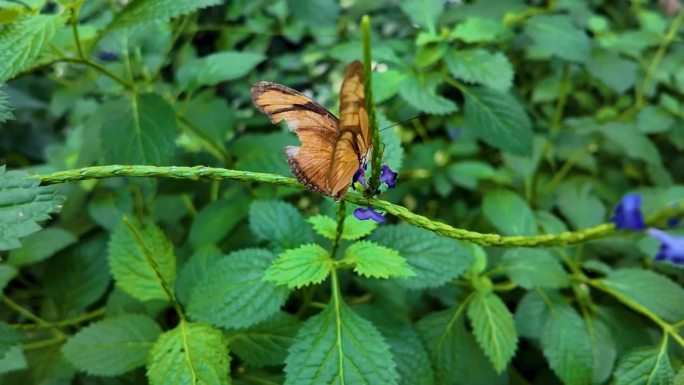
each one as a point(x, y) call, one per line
point(671, 247)
point(388, 176)
point(455, 133)
point(627, 215)
point(107, 56)
point(359, 176)
point(368, 213)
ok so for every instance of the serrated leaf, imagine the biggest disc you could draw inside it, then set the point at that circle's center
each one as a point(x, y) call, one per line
point(479, 66)
point(8, 339)
point(423, 12)
point(113, 346)
point(435, 260)
point(22, 41)
point(41, 245)
point(265, 343)
point(305, 265)
point(191, 353)
point(604, 349)
point(279, 223)
point(421, 93)
point(509, 213)
point(559, 36)
point(140, 129)
point(324, 225)
point(6, 113)
point(478, 30)
point(532, 268)
point(215, 68)
point(352, 229)
point(315, 14)
point(337, 346)
point(372, 260)
point(140, 257)
point(531, 315)
point(494, 328)
point(498, 119)
point(217, 219)
point(143, 11)
point(233, 295)
point(655, 292)
point(195, 270)
point(24, 203)
point(566, 345)
point(645, 366)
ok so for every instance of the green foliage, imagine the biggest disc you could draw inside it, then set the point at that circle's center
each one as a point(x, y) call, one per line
point(265, 343)
point(300, 267)
point(566, 345)
point(191, 353)
point(5, 108)
point(532, 268)
point(352, 228)
point(558, 36)
point(216, 68)
point(372, 260)
point(646, 365)
point(8, 339)
point(279, 223)
point(493, 328)
point(509, 213)
point(144, 11)
point(481, 67)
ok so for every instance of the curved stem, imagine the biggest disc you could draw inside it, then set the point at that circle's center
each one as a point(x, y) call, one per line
point(64, 323)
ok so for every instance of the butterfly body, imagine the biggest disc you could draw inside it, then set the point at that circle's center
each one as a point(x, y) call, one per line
point(332, 149)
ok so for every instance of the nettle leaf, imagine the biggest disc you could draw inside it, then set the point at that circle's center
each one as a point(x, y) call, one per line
point(509, 213)
point(338, 346)
point(6, 113)
point(650, 290)
point(494, 328)
point(421, 93)
point(216, 68)
point(647, 365)
point(265, 343)
point(316, 13)
point(194, 270)
point(113, 346)
point(352, 229)
point(492, 70)
point(279, 223)
point(233, 295)
point(300, 267)
point(142, 260)
point(614, 71)
point(478, 30)
point(22, 41)
point(435, 260)
point(217, 219)
point(140, 129)
point(423, 12)
point(8, 339)
point(557, 35)
point(24, 202)
point(498, 119)
point(41, 245)
point(191, 353)
point(530, 268)
point(143, 11)
point(566, 345)
point(531, 315)
point(372, 260)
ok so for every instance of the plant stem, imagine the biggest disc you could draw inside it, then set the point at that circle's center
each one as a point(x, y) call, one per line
point(341, 213)
point(64, 323)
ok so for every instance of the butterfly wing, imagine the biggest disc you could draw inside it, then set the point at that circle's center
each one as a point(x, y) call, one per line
point(315, 126)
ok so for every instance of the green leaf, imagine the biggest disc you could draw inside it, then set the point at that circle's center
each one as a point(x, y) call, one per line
point(566, 345)
point(352, 229)
point(194, 270)
point(79, 277)
point(215, 68)
point(13, 360)
point(41, 245)
point(509, 213)
point(24, 203)
point(113, 346)
point(494, 328)
point(217, 219)
point(633, 143)
point(233, 295)
point(279, 223)
point(7, 273)
point(324, 225)
point(435, 260)
point(265, 343)
point(531, 268)
point(604, 349)
point(138, 130)
point(468, 173)
point(579, 204)
point(422, 95)
point(8, 339)
point(191, 353)
point(300, 267)
point(652, 120)
point(386, 85)
point(612, 70)
point(479, 66)
point(316, 14)
point(655, 292)
point(557, 35)
point(478, 30)
point(22, 42)
point(374, 261)
point(338, 346)
point(143, 11)
point(498, 119)
point(423, 12)
point(645, 366)
point(6, 113)
point(142, 260)
point(531, 315)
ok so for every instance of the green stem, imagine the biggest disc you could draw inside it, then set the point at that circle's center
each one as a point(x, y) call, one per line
point(64, 323)
point(44, 343)
point(562, 99)
point(374, 182)
point(210, 173)
point(101, 69)
point(74, 30)
point(341, 213)
point(26, 313)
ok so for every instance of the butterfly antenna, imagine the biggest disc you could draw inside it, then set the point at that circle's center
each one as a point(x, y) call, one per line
point(404, 121)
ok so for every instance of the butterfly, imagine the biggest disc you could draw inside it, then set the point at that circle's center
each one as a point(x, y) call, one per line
point(332, 149)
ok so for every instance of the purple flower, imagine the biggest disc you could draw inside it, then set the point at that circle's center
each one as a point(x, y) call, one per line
point(627, 215)
point(359, 176)
point(671, 247)
point(455, 133)
point(673, 222)
point(368, 213)
point(107, 56)
point(388, 176)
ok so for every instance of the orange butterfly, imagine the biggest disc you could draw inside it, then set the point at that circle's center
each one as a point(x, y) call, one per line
point(332, 150)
